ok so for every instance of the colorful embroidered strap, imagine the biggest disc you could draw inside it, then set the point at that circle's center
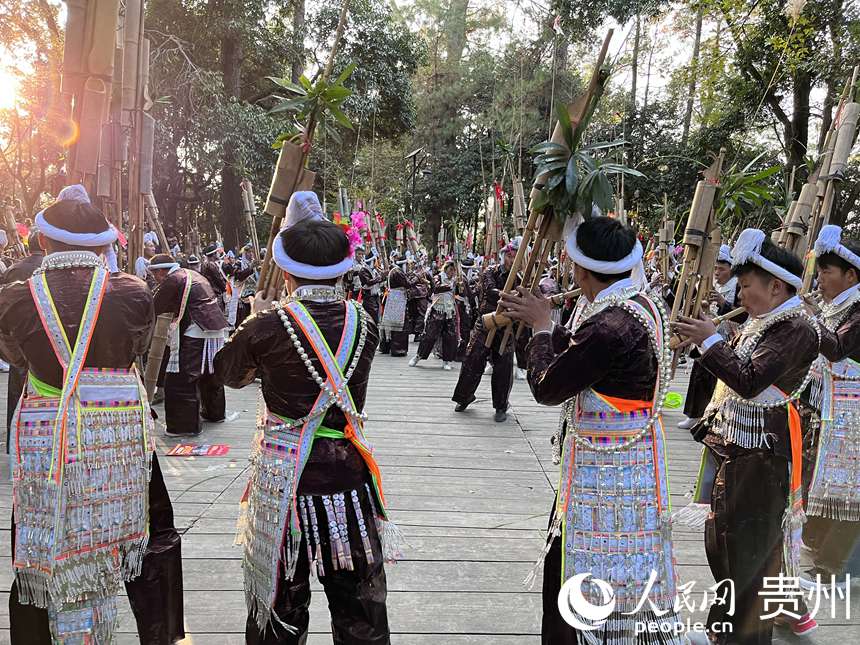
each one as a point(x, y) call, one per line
point(334, 370)
point(71, 359)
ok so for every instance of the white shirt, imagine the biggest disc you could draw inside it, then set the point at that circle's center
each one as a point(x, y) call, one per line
point(842, 297)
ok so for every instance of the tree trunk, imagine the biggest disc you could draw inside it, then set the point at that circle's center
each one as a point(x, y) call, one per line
point(694, 75)
point(231, 198)
point(631, 110)
point(298, 40)
point(826, 114)
point(648, 69)
point(797, 135)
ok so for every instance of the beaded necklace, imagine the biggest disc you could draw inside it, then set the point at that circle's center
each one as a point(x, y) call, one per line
point(752, 332)
point(335, 395)
point(662, 353)
point(832, 316)
point(317, 293)
point(70, 260)
point(743, 420)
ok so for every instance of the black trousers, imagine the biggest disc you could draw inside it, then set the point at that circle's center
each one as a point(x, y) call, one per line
point(370, 303)
point(416, 310)
point(356, 599)
point(743, 539)
point(554, 630)
point(155, 596)
point(699, 391)
point(439, 326)
point(472, 370)
point(190, 394)
point(15, 387)
point(399, 343)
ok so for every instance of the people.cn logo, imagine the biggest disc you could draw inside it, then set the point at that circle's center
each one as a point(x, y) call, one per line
point(577, 610)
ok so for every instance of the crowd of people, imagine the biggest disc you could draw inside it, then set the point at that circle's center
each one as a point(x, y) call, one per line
point(778, 426)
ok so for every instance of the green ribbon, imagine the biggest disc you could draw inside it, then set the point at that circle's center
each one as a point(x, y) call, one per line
point(42, 388)
point(321, 432)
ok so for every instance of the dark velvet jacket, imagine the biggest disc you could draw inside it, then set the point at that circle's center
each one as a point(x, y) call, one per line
point(261, 347)
point(610, 352)
point(23, 268)
point(491, 282)
point(845, 341)
point(202, 308)
point(781, 358)
point(122, 333)
point(210, 270)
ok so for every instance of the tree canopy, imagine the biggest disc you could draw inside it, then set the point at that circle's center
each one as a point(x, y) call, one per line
point(473, 84)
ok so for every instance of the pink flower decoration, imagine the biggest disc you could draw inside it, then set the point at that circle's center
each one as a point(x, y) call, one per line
point(359, 220)
point(354, 236)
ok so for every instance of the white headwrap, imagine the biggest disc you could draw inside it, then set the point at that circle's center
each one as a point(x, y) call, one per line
point(631, 262)
point(150, 238)
point(306, 205)
point(725, 254)
point(74, 193)
point(172, 266)
point(748, 249)
point(830, 241)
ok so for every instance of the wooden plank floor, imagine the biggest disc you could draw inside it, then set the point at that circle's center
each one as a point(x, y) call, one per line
point(471, 496)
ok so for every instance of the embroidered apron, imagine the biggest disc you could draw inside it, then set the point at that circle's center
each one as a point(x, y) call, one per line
point(394, 310)
point(614, 509)
point(269, 528)
point(835, 489)
point(80, 480)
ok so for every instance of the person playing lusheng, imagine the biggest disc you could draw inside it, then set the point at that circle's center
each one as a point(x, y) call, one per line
point(67, 459)
point(314, 501)
point(751, 433)
point(611, 517)
point(490, 284)
point(833, 457)
point(723, 297)
point(197, 333)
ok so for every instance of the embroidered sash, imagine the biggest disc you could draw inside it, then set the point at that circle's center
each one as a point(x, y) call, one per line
point(80, 478)
point(270, 528)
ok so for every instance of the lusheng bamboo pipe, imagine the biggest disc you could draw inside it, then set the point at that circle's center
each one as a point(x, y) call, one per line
point(270, 278)
point(676, 342)
point(156, 353)
point(578, 111)
point(495, 320)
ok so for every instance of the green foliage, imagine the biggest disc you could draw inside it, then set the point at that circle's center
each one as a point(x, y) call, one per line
point(745, 190)
point(311, 103)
